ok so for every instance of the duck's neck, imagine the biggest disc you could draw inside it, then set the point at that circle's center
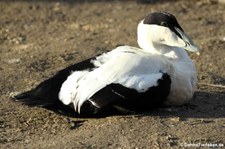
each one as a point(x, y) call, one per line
point(171, 52)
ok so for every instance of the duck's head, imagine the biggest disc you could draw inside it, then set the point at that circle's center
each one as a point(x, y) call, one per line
point(162, 28)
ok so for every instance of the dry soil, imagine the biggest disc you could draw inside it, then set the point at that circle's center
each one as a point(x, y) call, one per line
point(38, 38)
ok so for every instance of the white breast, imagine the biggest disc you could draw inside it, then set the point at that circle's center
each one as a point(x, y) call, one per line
point(183, 83)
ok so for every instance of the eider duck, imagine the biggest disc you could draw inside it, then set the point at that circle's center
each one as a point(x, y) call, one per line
point(159, 73)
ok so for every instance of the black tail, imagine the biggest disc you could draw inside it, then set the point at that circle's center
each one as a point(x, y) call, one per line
point(46, 93)
point(29, 98)
point(23, 95)
point(32, 99)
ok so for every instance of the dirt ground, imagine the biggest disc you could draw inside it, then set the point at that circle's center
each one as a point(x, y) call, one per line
point(38, 38)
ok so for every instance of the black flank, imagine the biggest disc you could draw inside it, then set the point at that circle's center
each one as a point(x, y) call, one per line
point(123, 99)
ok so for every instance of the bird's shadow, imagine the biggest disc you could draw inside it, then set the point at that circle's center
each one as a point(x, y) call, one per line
point(203, 105)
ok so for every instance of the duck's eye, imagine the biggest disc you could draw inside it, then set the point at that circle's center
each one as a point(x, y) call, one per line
point(163, 24)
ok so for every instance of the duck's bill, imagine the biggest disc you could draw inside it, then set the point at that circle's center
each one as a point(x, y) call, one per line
point(189, 44)
point(192, 48)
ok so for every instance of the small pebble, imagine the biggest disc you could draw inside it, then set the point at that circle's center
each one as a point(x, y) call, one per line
point(221, 1)
point(223, 38)
point(14, 60)
point(175, 119)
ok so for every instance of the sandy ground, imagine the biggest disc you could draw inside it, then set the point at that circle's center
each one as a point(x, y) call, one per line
point(38, 38)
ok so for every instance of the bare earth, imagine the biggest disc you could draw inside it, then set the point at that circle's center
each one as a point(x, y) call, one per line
point(38, 38)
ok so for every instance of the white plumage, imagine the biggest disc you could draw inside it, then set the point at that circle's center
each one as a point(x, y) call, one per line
point(138, 70)
point(122, 66)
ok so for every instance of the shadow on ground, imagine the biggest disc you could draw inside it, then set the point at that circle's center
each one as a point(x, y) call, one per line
point(203, 105)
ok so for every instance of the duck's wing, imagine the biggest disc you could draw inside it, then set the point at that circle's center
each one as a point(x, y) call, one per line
point(121, 74)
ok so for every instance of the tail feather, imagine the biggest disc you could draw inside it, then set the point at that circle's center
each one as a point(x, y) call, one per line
point(28, 98)
point(24, 95)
